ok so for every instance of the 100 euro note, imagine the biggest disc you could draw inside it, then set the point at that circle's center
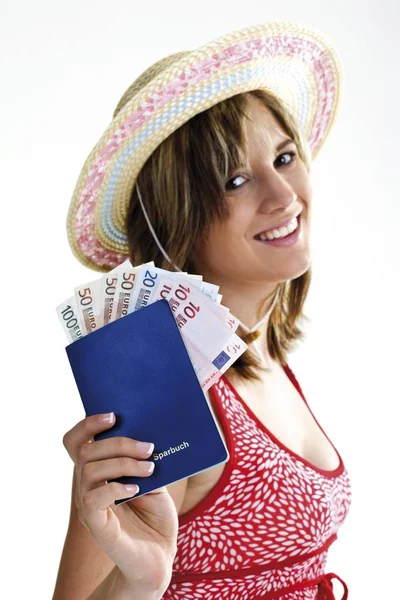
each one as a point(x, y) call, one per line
point(69, 319)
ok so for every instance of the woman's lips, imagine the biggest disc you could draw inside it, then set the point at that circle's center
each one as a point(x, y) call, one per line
point(280, 225)
point(289, 240)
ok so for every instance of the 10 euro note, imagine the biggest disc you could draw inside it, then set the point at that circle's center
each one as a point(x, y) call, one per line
point(197, 321)
point(209, 372)
point(187, 303)
point(209, 336)
point(166, 286)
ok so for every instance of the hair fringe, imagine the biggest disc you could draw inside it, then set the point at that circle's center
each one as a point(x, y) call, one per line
point(206, 148)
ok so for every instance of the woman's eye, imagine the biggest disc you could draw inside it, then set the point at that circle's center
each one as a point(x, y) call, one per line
point(233, 187)
point(291, 154)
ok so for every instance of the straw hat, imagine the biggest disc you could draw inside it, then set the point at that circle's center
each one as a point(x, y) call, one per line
point(298, 64)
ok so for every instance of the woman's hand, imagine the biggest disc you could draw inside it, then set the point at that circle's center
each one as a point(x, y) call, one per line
point(140, 535)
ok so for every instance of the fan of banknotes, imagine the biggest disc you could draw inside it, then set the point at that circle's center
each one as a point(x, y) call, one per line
point(207, 327)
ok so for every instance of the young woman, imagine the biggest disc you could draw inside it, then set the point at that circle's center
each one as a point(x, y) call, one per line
point(208, 152)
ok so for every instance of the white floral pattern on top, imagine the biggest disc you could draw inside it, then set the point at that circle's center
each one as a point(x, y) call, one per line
point(270, 522)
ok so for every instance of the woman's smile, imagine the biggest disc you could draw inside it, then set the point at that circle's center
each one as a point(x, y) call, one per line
point(268, 212)
point(284, 240)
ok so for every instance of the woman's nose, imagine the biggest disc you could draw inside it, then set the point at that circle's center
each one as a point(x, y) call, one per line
point(275, 194)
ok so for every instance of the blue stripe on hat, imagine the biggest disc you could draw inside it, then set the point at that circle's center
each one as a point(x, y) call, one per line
point(225, 83)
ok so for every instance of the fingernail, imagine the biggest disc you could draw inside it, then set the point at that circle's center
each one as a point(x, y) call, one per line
point(132, 488)
point(145, 447)
point(145, 466)
point(107, 418)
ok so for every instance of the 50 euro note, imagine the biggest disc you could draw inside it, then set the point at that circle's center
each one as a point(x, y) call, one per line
point(109, 284)
point(108, 290)
point(88, 298)
point(125, 285)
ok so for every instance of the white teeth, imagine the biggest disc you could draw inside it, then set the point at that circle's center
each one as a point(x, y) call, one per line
point(281, 232)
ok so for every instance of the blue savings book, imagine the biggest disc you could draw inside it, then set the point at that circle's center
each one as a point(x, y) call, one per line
point(138, 367)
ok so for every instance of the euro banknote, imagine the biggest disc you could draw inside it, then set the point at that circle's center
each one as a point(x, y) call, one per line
point(207, 327)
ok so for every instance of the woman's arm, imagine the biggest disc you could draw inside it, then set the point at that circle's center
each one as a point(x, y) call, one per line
point(84, 566)
point(115, 587)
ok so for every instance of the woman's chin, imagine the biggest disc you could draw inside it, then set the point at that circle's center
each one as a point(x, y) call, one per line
point(295, 258)
point(287, 270)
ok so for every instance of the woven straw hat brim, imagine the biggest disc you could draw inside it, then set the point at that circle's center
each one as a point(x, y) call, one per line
point(298, 64)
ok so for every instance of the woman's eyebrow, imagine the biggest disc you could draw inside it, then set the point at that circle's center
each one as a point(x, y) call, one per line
point(284, 143)
point(245, 165)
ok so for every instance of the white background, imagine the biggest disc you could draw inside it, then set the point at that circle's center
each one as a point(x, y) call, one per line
point(65, 66)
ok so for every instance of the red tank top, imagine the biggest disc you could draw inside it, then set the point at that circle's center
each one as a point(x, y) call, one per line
point(264, 530)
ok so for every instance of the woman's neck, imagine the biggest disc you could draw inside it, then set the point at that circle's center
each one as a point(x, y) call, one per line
point(245, 305)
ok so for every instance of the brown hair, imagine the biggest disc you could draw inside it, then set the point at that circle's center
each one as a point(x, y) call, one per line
point(207, 148)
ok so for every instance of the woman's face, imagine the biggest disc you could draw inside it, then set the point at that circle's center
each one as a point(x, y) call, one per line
point(276, 189)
